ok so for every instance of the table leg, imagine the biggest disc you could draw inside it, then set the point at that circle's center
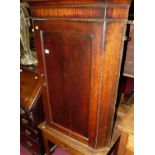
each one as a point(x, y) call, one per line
point(47, 148)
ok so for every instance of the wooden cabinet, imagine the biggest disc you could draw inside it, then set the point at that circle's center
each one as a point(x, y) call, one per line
point(129, 57)
point(79, 46)
point(31, 111)
point(69, 55)
point(68, 59)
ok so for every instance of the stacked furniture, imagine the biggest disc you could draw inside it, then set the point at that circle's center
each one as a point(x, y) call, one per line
point(31, 111)
point(79, 46)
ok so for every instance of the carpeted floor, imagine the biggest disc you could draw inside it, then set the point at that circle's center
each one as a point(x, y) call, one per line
point(24, 151)
point(58, 151)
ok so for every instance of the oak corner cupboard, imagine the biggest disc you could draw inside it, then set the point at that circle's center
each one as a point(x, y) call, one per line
point(79, 46)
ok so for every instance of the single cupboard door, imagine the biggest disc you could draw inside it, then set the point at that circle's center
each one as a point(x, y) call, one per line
point(66, 52)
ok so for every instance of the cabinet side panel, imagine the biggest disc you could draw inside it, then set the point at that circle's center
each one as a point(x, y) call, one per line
point(110, 77)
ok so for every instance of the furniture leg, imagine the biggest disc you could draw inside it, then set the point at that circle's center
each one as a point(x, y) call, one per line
point(47, 149)
point(122, 143)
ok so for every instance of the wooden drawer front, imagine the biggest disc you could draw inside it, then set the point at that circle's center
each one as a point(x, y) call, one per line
point(24, 113)
point(66, 147)
point(26, 121)
point(29, 143)
point(70, 149)
point(29, 132)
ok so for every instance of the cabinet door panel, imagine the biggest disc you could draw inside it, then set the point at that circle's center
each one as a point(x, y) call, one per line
point(67, 59)
point(68, 67)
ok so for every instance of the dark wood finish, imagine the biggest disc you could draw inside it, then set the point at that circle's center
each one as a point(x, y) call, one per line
point(30, 132)
point(77, 2)
point(79, 46)
point(32, 111)
point(26, 121)
point(129, 61)
point(128, 56)
point(62, 79)
point(30, 144)
point(111, 68)
point(31, 85)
